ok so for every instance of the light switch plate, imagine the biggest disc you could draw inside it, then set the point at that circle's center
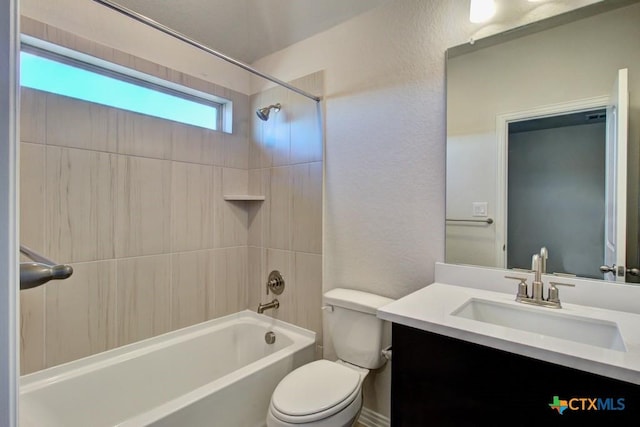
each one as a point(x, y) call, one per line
point(479, 209)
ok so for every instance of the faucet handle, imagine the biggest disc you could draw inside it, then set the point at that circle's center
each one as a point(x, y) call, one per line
point(522, 287)
point(275, 283)
point(554, 295)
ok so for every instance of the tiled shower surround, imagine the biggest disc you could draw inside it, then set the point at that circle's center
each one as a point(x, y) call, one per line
point(135, 204)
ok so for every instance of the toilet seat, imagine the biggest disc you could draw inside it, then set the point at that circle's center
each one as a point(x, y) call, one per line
point(315, 391)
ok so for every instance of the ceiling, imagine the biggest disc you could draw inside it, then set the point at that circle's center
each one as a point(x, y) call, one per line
point(250, 29)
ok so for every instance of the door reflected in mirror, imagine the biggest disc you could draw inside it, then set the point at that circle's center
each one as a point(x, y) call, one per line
point(556, 170)
point(527, 125)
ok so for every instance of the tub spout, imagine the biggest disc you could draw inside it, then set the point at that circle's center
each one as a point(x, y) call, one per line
point(268, 306)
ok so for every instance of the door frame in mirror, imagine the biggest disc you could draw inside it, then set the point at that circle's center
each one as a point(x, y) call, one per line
point(502, 135)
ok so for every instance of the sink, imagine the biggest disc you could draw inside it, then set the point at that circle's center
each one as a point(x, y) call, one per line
point(544, 321)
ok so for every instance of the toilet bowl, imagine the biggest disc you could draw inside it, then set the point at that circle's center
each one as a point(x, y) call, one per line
point(319, 394)
point(329, 394)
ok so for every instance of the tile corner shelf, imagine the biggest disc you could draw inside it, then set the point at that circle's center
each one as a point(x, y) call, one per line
point(242, 197)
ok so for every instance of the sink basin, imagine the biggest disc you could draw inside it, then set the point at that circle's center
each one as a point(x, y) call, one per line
point(549, 322)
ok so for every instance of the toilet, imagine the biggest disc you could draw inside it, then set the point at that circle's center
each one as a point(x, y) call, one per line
point(325, 393)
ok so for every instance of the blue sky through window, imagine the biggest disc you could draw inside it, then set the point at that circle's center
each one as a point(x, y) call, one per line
point(44, 74)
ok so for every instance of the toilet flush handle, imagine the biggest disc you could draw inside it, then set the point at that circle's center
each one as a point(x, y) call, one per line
point(387, 353)
point(329, 308)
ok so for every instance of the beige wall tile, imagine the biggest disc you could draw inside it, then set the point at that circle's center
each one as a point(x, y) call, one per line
point(31, 330)
point(306, 218)
point(194, 82)
point(235, 181)
point(319, 352)
point(230, 282)
point(192, 218)
point(255, 133)
point(32, 27)
point(197, 145)
point(236, 144)
point(276, 135)
point(241, 105)
point(255, 209)
point(306, 121)
point(79, 204)
point(143, 297)
point(94, 126)
point(32, 115)
point(145, 136)
point(191, 273)
point(277, 214)
point(256, 278)
point(235, 223)
point(256, 184)
point(306, 132)
point(231, 217)
point(307, 276)
point(32, 182)
point(143, 206)
point(151, 68)
point(80, 313)
point(236, 149)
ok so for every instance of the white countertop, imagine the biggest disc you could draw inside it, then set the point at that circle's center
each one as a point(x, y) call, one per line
point(430, 309)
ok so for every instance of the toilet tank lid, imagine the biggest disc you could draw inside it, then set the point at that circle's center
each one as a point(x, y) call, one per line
point(355, 300)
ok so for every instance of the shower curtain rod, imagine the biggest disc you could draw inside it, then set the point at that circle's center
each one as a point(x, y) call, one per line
point(158, 26)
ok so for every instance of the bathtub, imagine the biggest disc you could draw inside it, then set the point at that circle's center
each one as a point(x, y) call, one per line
point(217, 373)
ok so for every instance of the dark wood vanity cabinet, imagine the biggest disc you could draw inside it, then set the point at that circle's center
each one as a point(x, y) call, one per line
point(441, 381)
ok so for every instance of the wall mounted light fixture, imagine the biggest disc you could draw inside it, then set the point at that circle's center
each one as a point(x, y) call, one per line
point(481, 10)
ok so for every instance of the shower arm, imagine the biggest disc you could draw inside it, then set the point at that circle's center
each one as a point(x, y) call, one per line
point(42, 270)
point(160, 27)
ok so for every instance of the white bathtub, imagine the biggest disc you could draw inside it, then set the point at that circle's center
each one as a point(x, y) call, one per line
point(217, 373)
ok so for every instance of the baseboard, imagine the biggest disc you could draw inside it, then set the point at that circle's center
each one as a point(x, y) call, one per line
point(369, 418)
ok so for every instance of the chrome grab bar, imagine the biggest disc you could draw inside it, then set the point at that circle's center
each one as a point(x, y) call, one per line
point(486, 221)
point(39, 272)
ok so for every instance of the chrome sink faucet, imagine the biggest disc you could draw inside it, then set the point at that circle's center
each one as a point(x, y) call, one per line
point(538, 268)
point(544, 256)
point(537, 287)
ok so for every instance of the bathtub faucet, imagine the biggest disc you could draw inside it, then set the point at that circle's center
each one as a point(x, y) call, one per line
point(268, 306)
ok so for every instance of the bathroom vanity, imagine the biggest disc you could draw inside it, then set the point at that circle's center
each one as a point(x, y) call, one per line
point(472, 356)
point(442, 381)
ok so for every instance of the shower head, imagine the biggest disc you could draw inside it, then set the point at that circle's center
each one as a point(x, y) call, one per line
point(263, 113)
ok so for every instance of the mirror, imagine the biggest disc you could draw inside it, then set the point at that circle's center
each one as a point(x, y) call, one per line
point(511, 95)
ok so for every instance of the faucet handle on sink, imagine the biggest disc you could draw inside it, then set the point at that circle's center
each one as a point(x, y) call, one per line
point(522, 287)
point(554, 295)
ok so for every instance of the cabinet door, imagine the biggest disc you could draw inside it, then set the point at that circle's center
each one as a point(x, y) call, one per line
point(440, 381)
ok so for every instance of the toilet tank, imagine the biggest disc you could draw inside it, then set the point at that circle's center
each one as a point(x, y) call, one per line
point(355, 331)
